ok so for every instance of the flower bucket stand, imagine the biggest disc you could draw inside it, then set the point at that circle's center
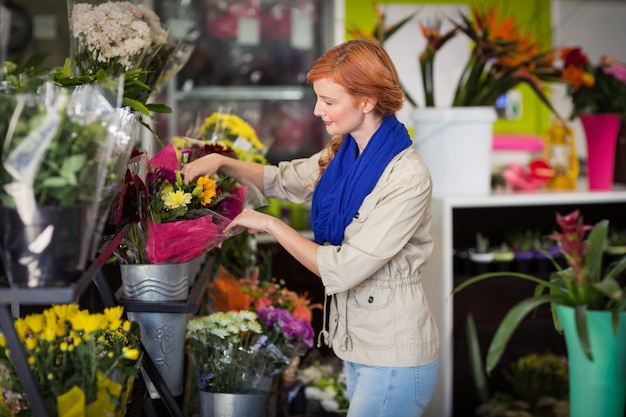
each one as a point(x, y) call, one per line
point(93, 275)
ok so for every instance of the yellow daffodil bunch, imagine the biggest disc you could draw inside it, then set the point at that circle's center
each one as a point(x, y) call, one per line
point(80, 360)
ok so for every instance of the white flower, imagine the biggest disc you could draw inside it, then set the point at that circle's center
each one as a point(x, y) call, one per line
point(116, 33)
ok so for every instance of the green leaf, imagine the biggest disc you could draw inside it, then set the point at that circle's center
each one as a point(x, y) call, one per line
point(476, 362)
point(54, 182)
point(580, 314)
point(74, 163)
point(510, 323)
point(596, 242)
point(136, 105)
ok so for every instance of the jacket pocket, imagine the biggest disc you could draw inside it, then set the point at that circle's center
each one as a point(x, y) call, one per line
point(370, 321)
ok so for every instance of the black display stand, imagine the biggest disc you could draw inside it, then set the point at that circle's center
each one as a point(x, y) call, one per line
point(71, 294)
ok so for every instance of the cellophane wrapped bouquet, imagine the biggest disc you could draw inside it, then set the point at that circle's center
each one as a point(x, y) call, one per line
point(109, 39)
point(63, 149)
point(173, 221)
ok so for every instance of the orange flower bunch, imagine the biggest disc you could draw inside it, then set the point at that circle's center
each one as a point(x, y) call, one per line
point(228, 293)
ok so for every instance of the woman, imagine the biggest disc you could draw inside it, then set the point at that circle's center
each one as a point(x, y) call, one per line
point(370, 196)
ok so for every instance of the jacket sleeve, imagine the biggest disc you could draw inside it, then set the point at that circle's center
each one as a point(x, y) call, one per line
point(291, 180)
point(391, 230)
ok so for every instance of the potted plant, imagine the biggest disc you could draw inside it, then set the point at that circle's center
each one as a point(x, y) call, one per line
point(481, 252)
point(502, 57)
point(598, 96)
point(588, 304)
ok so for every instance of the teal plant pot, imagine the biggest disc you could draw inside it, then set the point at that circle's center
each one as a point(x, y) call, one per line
point(598, 386)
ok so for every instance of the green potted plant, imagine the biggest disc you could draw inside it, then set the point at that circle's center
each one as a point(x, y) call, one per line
point(588, 305)
point(481, 252)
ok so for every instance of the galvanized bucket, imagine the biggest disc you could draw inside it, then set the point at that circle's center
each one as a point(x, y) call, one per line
point(216, 404)
point(162, 334)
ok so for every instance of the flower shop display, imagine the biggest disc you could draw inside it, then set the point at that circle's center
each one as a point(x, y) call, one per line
point(172, 225)
point(84, 363)
point(597, 93)
point(587, 302)
point(63, 158)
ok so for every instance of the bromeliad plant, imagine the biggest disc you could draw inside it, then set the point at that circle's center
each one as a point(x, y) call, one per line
point(585, 284)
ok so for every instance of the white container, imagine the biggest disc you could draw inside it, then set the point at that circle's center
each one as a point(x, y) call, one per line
point(456, 144)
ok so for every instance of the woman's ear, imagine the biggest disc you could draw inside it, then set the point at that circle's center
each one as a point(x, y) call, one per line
point(368, 104)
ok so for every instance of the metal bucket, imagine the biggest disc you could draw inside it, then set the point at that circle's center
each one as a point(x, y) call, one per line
point(156, 282)
point(215, 404)
point(162, 334)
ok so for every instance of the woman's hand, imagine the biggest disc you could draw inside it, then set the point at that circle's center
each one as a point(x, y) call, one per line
point(207, 165)
point(253, 220)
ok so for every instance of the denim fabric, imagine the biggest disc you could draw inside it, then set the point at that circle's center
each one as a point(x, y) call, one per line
point(377, 391)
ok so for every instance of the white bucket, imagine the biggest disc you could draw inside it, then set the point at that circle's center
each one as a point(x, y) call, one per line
point(456, 144)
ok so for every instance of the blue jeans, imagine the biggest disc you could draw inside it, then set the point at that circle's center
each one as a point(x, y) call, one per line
point(376, 391)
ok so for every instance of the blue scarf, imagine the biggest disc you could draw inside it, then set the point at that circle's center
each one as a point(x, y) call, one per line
point(350, 177)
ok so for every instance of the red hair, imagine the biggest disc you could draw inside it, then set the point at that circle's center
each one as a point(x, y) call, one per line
point(365, 70)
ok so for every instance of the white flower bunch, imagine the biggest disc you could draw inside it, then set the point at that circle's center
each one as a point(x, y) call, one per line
point(326, 396)
point(325, 385)
point(224, 325)
point(115, 36)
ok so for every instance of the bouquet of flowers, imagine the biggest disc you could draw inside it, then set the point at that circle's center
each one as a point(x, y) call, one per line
point(63, 150)
point(81, 361)
point(594, 88)
point(287, 335)
point(230, 135)
point(224, 350)
point(119, 38)
point(175, 221)
point(285, 316)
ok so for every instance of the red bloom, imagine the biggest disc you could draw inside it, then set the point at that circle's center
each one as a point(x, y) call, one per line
point(576, 57)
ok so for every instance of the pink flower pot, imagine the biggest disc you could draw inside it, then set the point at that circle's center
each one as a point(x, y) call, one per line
point(601, 131)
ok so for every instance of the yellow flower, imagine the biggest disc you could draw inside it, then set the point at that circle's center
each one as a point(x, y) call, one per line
point(230, 126)
point(114, 317)
point(32, 343)
point(209, 189)
point(175, 199)
point(35, 323)
point(63, 311)
point(86, 322)
point(129, 353)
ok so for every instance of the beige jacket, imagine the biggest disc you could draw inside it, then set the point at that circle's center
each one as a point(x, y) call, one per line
point(379, 314)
